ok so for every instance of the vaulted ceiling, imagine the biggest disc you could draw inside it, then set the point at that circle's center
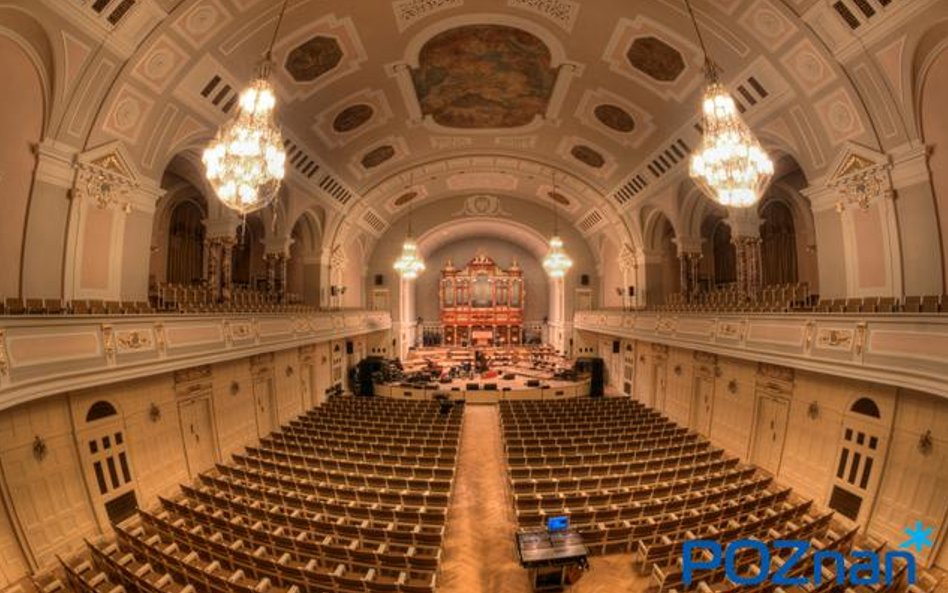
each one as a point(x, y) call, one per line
point(387, 104)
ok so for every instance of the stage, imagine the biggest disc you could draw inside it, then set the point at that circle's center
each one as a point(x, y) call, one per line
point(511, 373)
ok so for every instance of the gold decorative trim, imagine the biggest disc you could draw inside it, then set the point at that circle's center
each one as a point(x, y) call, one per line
point(135, 340)
point(835, 339)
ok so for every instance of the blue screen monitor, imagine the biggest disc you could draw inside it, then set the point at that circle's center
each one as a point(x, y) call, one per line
point(557, 524)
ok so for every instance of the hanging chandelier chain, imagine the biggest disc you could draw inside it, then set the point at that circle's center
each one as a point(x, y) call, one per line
point(710, 68)
point(276, 30)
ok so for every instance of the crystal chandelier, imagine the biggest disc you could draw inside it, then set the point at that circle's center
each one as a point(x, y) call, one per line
point(409, 265)
point(557, 262)
point(731, 167)
point(246, 162)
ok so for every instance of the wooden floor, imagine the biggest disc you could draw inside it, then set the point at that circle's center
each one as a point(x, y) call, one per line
point(479, 547)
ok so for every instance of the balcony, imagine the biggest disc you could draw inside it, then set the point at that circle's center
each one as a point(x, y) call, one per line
point(903, 349)
point(42, 355)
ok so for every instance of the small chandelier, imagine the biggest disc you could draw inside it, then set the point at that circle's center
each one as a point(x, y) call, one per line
point(409, 265)
point(730, 167)
point(246, 162)
point(557, 262)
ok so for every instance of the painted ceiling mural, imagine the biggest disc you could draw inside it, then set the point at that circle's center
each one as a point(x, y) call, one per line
point(484, 76)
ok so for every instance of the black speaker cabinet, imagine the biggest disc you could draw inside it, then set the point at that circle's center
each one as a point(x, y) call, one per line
point(615, 346)
point(349, 348)
point(596, 369)
point(584, 279)
point(379, 280)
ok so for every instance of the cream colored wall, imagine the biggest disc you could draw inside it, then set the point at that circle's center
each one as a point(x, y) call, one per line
point(912, 484)
point(21, 123)
point(936, 136)
point(55, 500)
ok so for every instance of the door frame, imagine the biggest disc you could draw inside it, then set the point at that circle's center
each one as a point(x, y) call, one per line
point(215, 444)
point(759, 396)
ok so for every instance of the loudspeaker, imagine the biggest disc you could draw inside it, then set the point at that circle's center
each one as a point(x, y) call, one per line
point(379, 280)
point(584, 280)
point(597, 374)
point(349, 347)
point(631, 291)
point(615, 346)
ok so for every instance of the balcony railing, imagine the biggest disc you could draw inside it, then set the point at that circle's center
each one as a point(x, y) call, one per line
point(42, 355)
point(902, 349)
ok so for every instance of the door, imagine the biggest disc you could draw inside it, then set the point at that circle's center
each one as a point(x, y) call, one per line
point(658, 386)
point(264, 408)
point(770, 432)
point(323, 376)
point(702, 401)
point(197, 432)
point(306, 387)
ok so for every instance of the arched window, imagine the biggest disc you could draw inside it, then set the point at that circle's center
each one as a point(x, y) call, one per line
point(186, 244)
point(99, 410)
point(778, 244)
point(866, 407)
point(107, 455)
point(862, 443)
point(725, 260)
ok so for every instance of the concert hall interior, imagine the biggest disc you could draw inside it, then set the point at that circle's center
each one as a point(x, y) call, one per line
point(473, 296)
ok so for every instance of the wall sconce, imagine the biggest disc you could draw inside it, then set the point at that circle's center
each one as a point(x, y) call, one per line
point(154, 413)
point(813, 411)
point(926, 444)
point(234, 387)
point(337, 290)
point(732, 386)
point(39, 448)
point(677, 370)
point(289, 371)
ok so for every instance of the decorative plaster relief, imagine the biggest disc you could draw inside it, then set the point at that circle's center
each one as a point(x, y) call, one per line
point(157, 68)
point(408, 12)
point(839, 117)
point(808, 67)
point(127, 115)
point(835, 339)
point(201, 22)
point(561, 12)
point(482, 205)
point(485, 180)
point(767, 24)
point(138, 340)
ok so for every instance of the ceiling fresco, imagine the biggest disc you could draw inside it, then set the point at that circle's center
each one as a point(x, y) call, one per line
point(352, 117)
point(615, 118)
point(483, 77)
point(312, 59)
point(656, 58)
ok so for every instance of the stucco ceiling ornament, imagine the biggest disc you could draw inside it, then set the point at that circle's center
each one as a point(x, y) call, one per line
point(482, 205)
point(860, 182)
point(731, 166)
point(246, 162)
point(106, 181)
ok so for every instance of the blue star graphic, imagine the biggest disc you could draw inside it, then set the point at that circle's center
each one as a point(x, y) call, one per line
point(919, 536)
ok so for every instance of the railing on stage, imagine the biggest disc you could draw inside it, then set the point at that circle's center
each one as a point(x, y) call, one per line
point(432, 333)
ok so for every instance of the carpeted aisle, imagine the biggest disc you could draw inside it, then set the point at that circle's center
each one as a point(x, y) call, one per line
point(479, 547)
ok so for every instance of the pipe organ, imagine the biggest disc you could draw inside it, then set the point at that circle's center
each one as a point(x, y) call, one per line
point(482, 303)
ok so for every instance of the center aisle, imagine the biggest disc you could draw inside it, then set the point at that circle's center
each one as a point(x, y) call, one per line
point(479, 545)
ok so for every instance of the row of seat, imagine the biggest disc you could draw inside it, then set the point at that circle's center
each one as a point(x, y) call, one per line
point(282, 518)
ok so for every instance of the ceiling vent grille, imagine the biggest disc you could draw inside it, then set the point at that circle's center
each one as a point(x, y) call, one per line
point(113, 11)
point(220, 94)
point(592, 220)
point(856, 13)
point(630, 189)
point(373, 220)
point(335, 189)
point(301, 161)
